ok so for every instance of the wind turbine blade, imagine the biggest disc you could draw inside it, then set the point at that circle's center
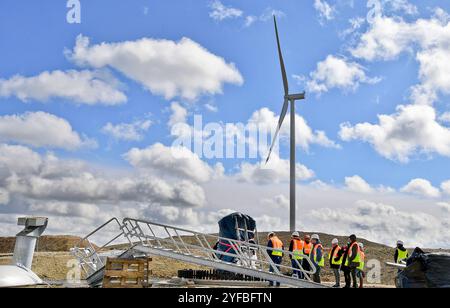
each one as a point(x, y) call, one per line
point(280, 123)
point(280, 54)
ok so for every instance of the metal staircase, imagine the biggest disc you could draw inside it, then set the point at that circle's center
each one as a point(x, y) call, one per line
point(144, 238)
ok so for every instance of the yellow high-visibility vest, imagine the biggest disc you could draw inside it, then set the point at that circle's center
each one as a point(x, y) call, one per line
point(402, 255)
point(277, 246)
point(357, 259)
point(335, 255)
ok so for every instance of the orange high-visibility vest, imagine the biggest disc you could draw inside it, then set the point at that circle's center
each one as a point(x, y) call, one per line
point(350, 254)
point(277, 245)
point(297, 248)
point(335, 255)
point(307, 249)
point(322, 261)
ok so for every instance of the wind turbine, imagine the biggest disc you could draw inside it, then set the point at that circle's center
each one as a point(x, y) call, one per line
point(288, 98)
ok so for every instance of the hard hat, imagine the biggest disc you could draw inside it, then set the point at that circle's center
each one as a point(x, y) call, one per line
point(361, 245)
point(296, 234)
point(400, 243)
point(315, 237)
point(335, 241)
point(271, 234)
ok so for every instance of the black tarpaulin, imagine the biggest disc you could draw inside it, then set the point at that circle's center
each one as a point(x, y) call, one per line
point(233, 227)
point(426, 270)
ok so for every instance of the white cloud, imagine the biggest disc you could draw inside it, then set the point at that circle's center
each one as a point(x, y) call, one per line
point(221, 12)
point(445, 207)
point(384, 223)
point(128, 131)
point(325, 10)
point(445, 186)
point(48, 180)
point(279, 202)
point(40, 129)
point(266, 16)
point(211, 108)
point(277, 170)
point(4, 196)
point(83, 87)
point(422, 188)
point(412, 130)
point(179, 114)
point(305, 136)
point(358, 184)
point(164, 67)
point(339, 73)
point(178, 161)
point(403, 6)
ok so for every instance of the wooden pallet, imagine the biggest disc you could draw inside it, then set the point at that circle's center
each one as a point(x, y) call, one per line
point(122, 273)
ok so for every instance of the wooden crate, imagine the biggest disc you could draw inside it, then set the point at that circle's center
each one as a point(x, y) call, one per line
point(122, 273)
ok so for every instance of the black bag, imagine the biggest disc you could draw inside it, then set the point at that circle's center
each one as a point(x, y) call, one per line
point(425, 270)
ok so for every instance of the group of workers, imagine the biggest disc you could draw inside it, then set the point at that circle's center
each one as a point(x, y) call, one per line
point(349, 258)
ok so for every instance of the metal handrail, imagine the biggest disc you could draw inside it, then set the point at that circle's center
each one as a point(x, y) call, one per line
point(91, 261)
point(239, 255)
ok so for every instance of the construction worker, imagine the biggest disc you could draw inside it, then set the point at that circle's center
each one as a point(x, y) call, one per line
point(360, 270)
point(296, 247)
point(307, 248)
point(401, 253)
point(275, 252)
point(353, 259)
point(343, 254)
point(336, 261)
point(317, 257)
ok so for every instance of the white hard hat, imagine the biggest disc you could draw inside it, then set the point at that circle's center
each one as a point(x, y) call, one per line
point(400, 243)
point(361, 245)
point(296, 234)
point(335, 241)
point(315, 237)
point(271, 233)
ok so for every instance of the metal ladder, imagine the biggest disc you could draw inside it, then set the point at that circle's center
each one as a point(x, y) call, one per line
point(145, 238)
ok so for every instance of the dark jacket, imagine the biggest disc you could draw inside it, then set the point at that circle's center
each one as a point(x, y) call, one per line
point(270, 245)
point(344, 254)
point(396, 253)
point(334, 266)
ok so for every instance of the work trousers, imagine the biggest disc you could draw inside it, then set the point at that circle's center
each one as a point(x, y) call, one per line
point(277, 261)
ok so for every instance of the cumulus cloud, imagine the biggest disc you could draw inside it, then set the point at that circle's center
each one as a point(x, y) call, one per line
point(83, 87)
point(164, 67)
point(445, 186)
point(47, 184)
point(267, 120)
point(179, 114)
point(275, 171)
point(335, 72)
point(128, 131)
point(178, 161)
point(358, 184)
point(40, 129)
point(221, 12)
point(384, 223)
point(279, 202)
point(422, 188)
point(389, 37)
point(413, 129)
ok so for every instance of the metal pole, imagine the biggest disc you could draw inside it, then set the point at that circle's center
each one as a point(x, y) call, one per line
point(292, 165)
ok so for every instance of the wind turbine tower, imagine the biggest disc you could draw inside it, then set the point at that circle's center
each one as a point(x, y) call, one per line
point(288, 99)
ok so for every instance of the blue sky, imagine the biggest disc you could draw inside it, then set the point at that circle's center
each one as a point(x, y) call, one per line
point(366, 76)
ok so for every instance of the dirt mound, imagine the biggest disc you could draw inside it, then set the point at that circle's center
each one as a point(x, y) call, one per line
point(45, 243)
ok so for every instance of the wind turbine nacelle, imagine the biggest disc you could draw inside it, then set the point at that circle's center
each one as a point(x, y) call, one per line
point(296, 97)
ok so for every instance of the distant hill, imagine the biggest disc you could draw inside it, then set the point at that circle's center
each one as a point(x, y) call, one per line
point(45, 244)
